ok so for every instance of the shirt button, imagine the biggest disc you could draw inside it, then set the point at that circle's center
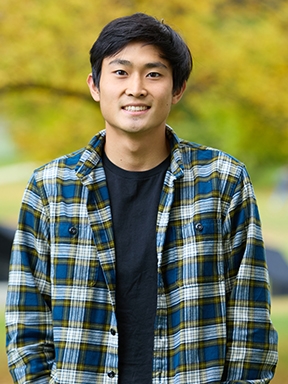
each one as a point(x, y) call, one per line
point(73, 231)
point(199, 227)
point(111, 374)
point(113, 332)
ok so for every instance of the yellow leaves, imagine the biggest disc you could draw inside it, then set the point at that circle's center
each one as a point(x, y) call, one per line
point(239, 82)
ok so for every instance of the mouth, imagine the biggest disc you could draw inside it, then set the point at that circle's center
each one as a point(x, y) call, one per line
point(136, 108)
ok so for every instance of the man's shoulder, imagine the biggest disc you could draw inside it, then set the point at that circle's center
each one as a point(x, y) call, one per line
point(199, 154)
point(212, 169)
point(66, 166)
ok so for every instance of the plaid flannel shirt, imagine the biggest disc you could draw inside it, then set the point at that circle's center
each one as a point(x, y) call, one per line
point(213, 322)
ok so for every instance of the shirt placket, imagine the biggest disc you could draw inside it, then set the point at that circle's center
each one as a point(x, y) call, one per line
point(161, 337)
point(161, 342)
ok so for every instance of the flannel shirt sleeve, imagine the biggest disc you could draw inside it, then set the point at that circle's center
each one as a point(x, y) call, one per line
point(29, 338)
point(251, 354)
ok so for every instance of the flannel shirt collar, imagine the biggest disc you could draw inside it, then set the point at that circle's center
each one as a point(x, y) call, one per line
point(92, 155)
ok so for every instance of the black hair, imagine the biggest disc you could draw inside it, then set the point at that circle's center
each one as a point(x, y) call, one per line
point(140, 27)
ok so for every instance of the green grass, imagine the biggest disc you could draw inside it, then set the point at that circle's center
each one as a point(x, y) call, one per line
point(5, 377)
point(280, 321)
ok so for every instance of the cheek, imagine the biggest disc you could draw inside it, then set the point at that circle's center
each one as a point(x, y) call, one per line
point(105, 97)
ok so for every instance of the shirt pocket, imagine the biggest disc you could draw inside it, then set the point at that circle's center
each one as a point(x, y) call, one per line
point(74, 259)
point(193, 252)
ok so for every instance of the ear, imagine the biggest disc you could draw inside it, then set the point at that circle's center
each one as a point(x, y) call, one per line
point(177, 95)
point(95, 93)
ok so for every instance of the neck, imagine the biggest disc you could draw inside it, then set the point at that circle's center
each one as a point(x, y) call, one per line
point(135, 152)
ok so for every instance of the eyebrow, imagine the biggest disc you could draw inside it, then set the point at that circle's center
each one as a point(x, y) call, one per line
point(156, 64)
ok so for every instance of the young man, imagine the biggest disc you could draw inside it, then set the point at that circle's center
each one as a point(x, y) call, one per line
point(139, 259)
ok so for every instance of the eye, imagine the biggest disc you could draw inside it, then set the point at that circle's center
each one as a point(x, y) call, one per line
point(153, 74)
point(120, 72)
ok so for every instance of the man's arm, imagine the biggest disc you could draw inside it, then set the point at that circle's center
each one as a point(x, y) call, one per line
point(30, 347)
point(251, 355)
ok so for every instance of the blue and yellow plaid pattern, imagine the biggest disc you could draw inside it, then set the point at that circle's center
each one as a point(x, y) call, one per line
point(213, 312)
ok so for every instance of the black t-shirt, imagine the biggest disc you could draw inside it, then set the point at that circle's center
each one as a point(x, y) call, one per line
point(134, 198)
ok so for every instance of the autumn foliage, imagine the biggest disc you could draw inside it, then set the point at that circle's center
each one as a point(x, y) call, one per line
point(236, 99)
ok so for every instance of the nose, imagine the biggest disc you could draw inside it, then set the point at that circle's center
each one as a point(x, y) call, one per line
point(136, 87)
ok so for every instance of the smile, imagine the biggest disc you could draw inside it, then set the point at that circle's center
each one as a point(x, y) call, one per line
point(134, 108)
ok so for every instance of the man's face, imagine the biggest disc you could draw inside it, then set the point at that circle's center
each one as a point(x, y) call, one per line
point(135, 92)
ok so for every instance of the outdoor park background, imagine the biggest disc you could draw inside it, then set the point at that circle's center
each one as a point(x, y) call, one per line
point(236, 99)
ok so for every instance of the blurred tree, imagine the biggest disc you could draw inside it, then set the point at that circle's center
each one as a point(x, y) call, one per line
point(236, 98)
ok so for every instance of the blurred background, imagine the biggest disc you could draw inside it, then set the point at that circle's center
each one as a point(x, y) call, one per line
point(236, 100)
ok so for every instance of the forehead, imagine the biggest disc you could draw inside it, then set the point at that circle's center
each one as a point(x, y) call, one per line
point(138, 52)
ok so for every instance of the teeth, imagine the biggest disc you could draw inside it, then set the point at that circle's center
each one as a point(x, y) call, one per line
point(132, 108)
